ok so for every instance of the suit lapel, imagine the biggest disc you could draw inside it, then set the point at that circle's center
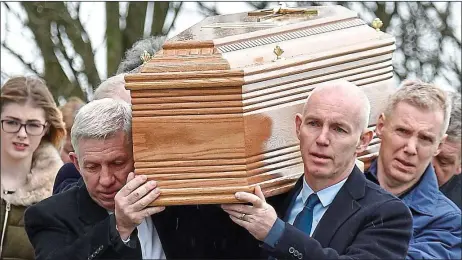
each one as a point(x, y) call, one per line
point(343, 206)
point(284, 202)
point(89, 211)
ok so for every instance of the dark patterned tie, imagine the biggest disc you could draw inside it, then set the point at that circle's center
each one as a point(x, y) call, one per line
point(304, 219)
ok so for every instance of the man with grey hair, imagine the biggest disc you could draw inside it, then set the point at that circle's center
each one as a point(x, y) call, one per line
point(96, 219)
point(333, 212)
point(412, 130)
point(448, 162)
point(114, 88)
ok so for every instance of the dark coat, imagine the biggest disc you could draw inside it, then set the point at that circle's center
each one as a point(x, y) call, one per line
point(70, 225)
point(436, 220)
point(16, 245)
point(363, 222)
point(66, 178)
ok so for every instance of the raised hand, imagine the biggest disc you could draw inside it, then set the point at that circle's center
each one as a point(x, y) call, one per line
point(258, 218)
point(131, 203)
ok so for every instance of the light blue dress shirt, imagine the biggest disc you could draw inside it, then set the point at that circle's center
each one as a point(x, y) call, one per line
point(326, 196)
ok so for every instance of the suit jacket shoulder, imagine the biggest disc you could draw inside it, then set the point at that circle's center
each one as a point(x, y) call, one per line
point(363, 222)
point(71, 225)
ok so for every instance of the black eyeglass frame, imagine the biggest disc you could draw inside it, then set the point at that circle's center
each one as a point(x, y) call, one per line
point(23, 125)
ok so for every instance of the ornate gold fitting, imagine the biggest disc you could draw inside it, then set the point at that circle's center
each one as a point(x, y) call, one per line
point(377, 24)
point(145, 57)
point(278, 51)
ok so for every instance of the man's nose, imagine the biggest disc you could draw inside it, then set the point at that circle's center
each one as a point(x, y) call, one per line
point(411, 146)
point(106, 177)
point(323, 138)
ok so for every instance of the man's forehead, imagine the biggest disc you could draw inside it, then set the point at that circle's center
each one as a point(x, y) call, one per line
point(341, 109)
point(104, 156)
point(113, 144)
point(408, 114)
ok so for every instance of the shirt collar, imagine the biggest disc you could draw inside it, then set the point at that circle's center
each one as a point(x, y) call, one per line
point(326, 195)
point(423, 196)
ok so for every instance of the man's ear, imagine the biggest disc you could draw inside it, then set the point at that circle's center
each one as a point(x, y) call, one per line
point(298, 124)
point(75, 160)
point(380, 124)
point(440, 145)
point(364, 141)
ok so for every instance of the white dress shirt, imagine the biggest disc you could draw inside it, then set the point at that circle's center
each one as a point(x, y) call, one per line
point(151, 247)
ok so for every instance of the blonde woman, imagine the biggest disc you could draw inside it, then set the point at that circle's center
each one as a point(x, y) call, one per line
point(32, 131)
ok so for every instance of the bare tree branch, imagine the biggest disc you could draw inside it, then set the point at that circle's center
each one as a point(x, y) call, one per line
point(62, 49)
point(75, 30)
point(77, 9)
point(40, 16)
point(113, 37)
point(26, 64)
point(159, 15)
point(135, 21)
point(175, 15)
point(207, 11)
point(7, 6)
point(258, 5)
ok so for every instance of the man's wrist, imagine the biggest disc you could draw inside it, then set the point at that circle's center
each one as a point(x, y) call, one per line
point(124, 234)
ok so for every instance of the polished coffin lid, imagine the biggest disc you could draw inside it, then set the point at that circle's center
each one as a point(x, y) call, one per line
point(214, 110)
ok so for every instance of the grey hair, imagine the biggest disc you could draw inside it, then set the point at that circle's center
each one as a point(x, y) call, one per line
point(421, 95)
point(113, 87)
point(454, 128)
point(132, 59)
point(101, 119)
point(352, 91)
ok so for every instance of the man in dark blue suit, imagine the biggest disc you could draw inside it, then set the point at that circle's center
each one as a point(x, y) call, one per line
point(333, 211)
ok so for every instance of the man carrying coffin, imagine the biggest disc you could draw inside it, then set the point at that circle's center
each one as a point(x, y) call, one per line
point(332, 212)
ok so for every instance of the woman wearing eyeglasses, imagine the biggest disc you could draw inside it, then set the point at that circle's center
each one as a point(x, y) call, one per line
point(32, 131)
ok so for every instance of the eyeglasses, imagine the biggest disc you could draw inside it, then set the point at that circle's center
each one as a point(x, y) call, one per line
point(13, 126)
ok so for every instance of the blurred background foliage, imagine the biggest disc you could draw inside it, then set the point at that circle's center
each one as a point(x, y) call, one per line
point(427, 37)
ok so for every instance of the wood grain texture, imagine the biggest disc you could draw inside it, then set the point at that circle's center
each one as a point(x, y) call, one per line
point(187, 83)
point(218, 91)
point(207, 124)
point(184, 75)
point(187, 138)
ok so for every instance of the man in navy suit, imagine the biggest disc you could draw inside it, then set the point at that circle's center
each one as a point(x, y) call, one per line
point(333, 211)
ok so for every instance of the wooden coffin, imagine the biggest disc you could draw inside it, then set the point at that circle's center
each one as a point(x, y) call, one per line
point(214, 110)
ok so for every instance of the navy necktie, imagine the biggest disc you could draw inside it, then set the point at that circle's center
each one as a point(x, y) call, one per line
point(304, 219)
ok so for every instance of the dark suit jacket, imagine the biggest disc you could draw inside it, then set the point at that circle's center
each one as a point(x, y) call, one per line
point(70, 225)
point(66, 178)
point(363, 222)
point(203, 231)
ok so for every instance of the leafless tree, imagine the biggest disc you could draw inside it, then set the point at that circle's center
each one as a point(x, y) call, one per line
point(68, 54)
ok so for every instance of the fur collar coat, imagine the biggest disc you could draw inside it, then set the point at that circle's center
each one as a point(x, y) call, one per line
point(46, 162)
